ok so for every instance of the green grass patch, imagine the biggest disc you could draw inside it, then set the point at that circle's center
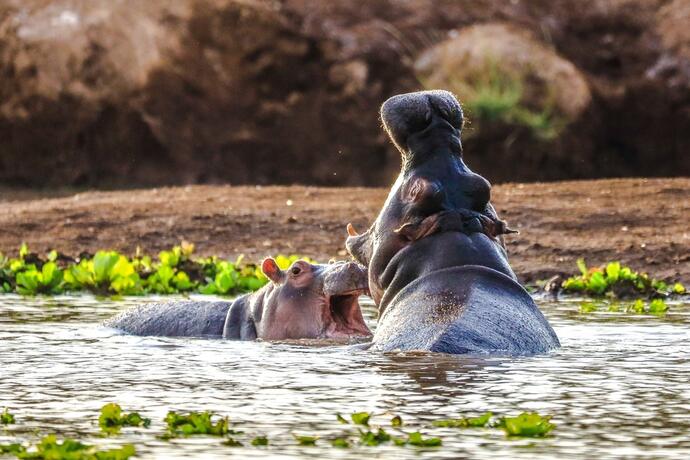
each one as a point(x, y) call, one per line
point(617, 280)
point(111, 273)
point(497, 96)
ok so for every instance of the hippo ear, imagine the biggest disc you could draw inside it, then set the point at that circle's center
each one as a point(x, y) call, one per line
point(272, 271)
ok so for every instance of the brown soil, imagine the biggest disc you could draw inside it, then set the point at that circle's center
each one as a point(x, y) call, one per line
point(641, 222)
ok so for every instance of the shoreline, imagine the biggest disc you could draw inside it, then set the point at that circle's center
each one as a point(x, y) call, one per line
point(640, 222)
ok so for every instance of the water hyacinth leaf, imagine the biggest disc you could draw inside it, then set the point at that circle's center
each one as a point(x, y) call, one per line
point(597, 283)
point(260, 441)
point(232, 442)
point(678, 288)
point(613, 279)
point(361, 418)
point(469, 422)
point(396, 421)
point(370, 438)
point(417, 439)
point(112, 273)
point(341, 443)
point(306, 440)
point(658, 307)
point(636, 307)
point(6, 418)
point(50, 448)
point(527, 424)
point(195, 423)
point(341, 419)
point(103, 263)
point(14, 449)
point(613, 270)
point(481, 421)
point(588, 307)
point(112, 419)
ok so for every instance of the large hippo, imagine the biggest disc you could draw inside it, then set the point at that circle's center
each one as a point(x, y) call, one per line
point(438, 271)
point(306, 301)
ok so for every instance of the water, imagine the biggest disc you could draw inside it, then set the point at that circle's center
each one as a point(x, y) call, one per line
point(619, 386)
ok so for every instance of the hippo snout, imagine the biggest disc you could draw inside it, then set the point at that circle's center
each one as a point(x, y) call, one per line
point(345, 278)
point(406, 114)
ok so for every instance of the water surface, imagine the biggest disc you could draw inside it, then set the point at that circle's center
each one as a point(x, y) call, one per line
point(619, 386)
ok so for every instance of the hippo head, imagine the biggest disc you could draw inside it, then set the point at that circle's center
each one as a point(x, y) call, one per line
point(425, 127)
point(311, 301)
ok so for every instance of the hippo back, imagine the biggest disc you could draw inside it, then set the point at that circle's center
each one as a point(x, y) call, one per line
point(174, 319)
point(468, 309)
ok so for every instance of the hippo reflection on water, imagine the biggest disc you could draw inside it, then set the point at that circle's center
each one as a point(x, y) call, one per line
point(306, 301)
point(438, 271)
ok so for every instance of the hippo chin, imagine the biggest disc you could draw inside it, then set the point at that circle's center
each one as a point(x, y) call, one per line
point(306, 301)
point(438, 269)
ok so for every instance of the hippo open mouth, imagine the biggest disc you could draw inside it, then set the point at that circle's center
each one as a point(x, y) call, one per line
point(344, 318)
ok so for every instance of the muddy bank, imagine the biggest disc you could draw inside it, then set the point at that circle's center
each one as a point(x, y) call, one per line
point(105, 93)
point(641, 222)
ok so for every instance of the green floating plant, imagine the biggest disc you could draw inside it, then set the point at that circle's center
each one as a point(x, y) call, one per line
point(50, 448)
point(260, 441)
point(195, 423)
point(112, 419)
point(527, 424)
point(418, 440)
point(341, 443)
point(617, 280)
point(656, 307)
point(374, 438)
point(306, 440)
point(6, 418)
point(361, 418)
point(468, 422)
point(111, 273)
point(14, 448)
point(232, 442)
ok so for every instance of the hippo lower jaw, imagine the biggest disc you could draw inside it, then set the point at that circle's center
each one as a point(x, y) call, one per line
point(343, 317)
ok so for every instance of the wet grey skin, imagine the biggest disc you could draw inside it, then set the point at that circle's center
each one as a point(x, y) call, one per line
point(306, 301)
point(438, 269)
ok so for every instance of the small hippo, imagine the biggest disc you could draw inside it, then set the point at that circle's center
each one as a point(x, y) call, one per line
point(438, 270)
point(306, 301)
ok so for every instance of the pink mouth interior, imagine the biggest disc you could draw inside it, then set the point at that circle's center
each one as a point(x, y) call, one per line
point(345, 317)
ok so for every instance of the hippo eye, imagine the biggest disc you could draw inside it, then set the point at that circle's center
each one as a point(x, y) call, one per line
point(295, 270)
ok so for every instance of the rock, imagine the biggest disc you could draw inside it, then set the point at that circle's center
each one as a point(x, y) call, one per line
point(500, 54)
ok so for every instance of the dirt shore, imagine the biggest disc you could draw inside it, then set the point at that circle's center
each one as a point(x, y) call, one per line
point(641, 222)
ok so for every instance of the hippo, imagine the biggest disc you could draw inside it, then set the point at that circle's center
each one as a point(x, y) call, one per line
point(306, 301)
point(437, 266)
